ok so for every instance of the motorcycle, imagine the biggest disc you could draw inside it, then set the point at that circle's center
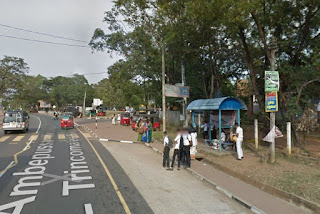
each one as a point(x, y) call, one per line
point(55, 116)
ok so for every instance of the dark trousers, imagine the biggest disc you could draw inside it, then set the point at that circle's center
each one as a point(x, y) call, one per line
point(205, 134)
point(176, 153)
point(166, 160)
point(182, 156)
point(187, 155)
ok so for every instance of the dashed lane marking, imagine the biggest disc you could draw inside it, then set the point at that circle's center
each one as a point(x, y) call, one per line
point(61, 137)
point(115, 186)
point(18, 138)
point(34, 137)
point(47, 137)
point(88, 209)
point(4, 138)
point(75, 136)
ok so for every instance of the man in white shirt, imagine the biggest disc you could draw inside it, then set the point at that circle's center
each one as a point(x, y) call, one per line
point(205, 129)
point(186, 137)
point(166, 150)
point(239, 134)
point(176, 152)
point(194, 141)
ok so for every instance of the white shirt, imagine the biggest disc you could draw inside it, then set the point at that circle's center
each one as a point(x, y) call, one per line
point(166, 141)
point(186, 139)
point(119, 117)
point(223, 137)
point(239, 132)
point(205, 127)
point(194, 138)
point(177, 140)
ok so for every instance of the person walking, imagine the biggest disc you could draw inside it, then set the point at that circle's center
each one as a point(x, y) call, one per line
point(114, 119)
point(166, 150)
point(186, 141)
point(119, 118)
point(239, 134)
point(194, 140)
point(150, 131)
point(176, 153)
point(205, 130)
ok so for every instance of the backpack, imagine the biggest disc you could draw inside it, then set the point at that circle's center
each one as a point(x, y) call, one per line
point(170, 143)
point(181, 143)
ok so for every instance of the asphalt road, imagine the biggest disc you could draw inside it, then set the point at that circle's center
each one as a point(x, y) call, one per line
point(49, 170)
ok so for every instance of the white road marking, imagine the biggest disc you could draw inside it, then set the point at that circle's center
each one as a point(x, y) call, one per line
point(47, 137)
point(18, 138)
point(61, 137)
point(66, 177)
point(4, 138)
point(88, 208)
point(39, 123)
point(8, 167)
point(33, 137)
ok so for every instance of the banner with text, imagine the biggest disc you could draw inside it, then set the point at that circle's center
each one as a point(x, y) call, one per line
point(271, 101)
point(176, 91)
point(272, 82)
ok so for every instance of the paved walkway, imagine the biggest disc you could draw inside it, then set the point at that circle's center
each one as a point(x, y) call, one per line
point(230, 185)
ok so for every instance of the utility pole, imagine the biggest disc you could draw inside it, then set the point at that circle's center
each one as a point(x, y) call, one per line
point(273, 114)
point(84, 103)
point(163, 88)
point(183, 81)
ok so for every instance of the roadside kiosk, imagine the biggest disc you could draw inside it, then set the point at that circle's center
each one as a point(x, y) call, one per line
point(223, 112)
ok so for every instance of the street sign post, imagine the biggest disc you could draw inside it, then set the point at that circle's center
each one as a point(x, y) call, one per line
point(272, 101)
point(271, 81)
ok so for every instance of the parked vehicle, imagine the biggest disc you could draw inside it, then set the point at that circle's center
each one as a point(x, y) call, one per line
point(125, 119)
point(66, 120)
point(91, 113)
point(15, 121)
point(75, 111)
point(101, 113)
point(156, 122)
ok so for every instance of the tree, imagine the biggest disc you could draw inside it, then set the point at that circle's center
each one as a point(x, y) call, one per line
point(12, 71)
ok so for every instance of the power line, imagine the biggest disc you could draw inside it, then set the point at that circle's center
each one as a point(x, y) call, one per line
point(71, 75)
point(41, 41)
point(44, 34)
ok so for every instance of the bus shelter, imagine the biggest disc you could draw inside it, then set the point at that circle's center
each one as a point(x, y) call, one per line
point(223, 112)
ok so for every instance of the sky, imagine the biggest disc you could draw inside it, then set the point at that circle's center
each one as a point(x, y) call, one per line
point(75, 19)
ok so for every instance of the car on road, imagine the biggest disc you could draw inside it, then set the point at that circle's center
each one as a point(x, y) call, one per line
point(101, 113)
point(15, 121)
point(66, 120)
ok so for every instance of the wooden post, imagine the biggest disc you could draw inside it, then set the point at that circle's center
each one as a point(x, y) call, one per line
point(256, 133)
point(163, 89)
point(289, 138)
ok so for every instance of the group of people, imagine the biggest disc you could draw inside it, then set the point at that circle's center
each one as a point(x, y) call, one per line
point(114, 118)
point(237, 137)
point(185, 146)
point(145, 130)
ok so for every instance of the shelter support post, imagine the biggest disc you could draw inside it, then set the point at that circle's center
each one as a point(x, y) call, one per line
point(193, 121)
point(199, 123)
point(209, 128)
point(239, 117)
point(220, 129)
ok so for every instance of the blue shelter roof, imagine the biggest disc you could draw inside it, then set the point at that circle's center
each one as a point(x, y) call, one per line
point(223, 103)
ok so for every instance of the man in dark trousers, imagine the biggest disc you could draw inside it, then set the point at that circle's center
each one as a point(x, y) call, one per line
point(166, 150)
point(176, 152)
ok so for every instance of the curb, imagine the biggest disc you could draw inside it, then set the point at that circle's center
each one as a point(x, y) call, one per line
point(103, 139)
point(227, 193)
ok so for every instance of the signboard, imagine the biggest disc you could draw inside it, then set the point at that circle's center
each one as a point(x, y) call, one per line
point(272, 82)
point(271, 101)
point(176, 91)
point(97, 102)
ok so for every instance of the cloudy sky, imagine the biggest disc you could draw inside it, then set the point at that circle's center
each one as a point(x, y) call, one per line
point(67, 18)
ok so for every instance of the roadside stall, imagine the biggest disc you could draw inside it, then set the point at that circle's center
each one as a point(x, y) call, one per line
point(223, 112)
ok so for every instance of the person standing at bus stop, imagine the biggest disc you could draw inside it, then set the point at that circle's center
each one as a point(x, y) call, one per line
point(239, 134)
